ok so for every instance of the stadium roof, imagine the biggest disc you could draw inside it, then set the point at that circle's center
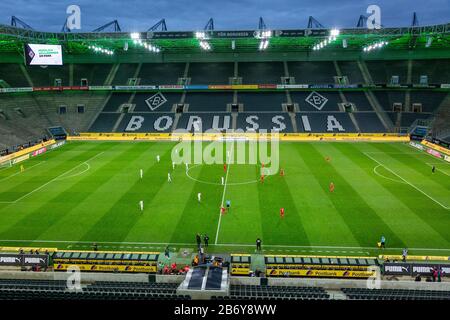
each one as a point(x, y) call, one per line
point(298, 40)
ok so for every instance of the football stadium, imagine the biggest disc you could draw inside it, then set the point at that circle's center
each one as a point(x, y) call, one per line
point(243, 165)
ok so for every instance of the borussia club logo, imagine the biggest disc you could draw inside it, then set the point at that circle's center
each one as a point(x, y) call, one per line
point(316, 100)
point(156, 101)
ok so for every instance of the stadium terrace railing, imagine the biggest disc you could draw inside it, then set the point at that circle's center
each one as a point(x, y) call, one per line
point(224, 87)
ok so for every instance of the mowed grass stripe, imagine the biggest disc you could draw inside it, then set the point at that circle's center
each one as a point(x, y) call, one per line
point(69, 193)
point(8, 171)
point(382, 195)
point(200, 217)
point(418, 163)
point(367, 227)
point(430, 213)
point(12, 213)
point(115, 223)
point(274, 194)
point(322, 223)
point(242, 223)
point(424, 185)
point(27, 181)
point(166, 207)
point(120, 175)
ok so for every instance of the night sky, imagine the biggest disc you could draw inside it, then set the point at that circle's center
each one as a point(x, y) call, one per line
point(134, 15)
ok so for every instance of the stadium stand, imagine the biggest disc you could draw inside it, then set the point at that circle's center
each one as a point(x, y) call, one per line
point(143, 122)
point(261, 72)
point(430, 100)
point(208, 102)
point(211, 73)
point(262, 101)
point(395, 294)
point(408, 118)
point(270, 121)
point(254, 292)
point(438, 71)
point(12, 75)
point(96, 74)
point(205, 121)
point(359, 99)
point(157, 102)
point(382, 71)
point(124, 73)
point(160, 73)
point(369, 122)
point(312, 72)
point(105, 122)
point(116, 100)
point(316, 122)
point(57, 290)
point(46, 75)
point(388, 98)
point(317, 100)
point(352, 71)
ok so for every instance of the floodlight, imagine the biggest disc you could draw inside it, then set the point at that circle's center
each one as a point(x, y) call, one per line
point(135, 35)
point(334, 32)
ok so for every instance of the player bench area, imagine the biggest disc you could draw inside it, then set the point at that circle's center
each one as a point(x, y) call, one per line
point(106, 261)
point(320, 266)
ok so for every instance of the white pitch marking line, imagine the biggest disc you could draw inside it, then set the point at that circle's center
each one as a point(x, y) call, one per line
point(217, 183)
point(430, 197)
point(54, 179)
point(77, 174)
point(433, 164)
point(380, 175)
point(223, 194)
point(6, 178)
point(219, 245)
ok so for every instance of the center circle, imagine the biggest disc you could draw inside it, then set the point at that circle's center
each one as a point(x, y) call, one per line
point(188, 174)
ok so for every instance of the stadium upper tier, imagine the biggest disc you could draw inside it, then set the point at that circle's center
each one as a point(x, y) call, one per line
point(268, 72)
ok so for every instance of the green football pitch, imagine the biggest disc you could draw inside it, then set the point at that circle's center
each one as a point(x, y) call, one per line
point(87, 192)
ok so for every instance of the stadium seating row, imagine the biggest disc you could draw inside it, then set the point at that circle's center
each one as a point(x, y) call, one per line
point(314, 72)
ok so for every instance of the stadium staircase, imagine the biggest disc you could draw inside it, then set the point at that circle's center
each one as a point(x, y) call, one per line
point(379, 111)
point(112, 74)
point(440, 126)
point(204, 281)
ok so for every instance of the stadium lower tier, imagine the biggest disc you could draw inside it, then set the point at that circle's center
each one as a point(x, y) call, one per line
point(57, 290)
point(245, 122)
point(14, 289)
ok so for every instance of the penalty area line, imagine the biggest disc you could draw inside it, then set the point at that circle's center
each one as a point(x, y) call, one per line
point(54, 179)
point(430, 197)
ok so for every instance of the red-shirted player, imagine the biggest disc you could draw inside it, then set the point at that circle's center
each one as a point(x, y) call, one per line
point(225, 167)
point(262, 178)
point(282, 172)
point(281, 212)
point(331, 187)
point(223, 210)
